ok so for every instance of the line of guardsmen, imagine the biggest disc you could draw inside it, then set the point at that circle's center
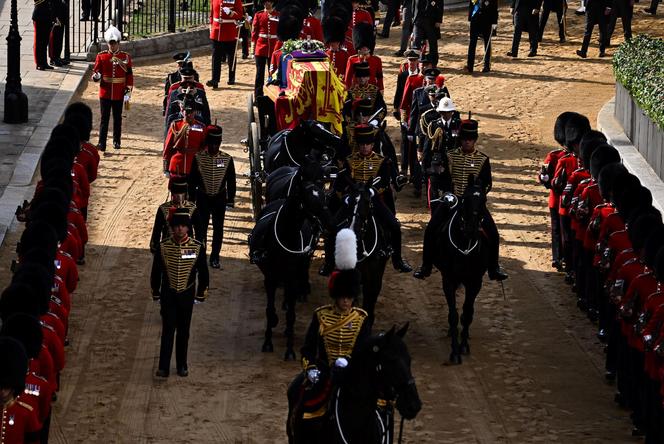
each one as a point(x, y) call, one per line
point(202, 185)
point(609, 240)
point(35, 306)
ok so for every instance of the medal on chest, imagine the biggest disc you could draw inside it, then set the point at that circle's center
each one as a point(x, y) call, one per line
point(188, 253)
point(11, 420)
point(219, 163)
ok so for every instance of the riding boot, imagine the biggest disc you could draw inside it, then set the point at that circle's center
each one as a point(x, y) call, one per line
point(493, 244)
point(399, 263)
point(328, 265)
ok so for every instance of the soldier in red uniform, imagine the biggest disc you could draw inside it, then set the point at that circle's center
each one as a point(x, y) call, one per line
point(185, 138)
point(224, 18)
point(311, 27)
point(364, 41)
point(264, 38)
point(359, 15)
point(19, 423)
point(334, 33)
point(113, 71)
point(79, 115)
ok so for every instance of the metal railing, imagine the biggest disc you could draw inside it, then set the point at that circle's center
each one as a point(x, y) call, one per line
point(139, 19)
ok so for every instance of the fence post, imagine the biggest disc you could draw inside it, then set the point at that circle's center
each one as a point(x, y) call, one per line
point(119, 14)
point(171, 15)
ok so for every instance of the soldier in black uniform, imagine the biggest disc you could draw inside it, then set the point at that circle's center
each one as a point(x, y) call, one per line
point(42, 17)
point(213, 177)
point(178, 262)
point(526, 17)
point(90, 9)
point(182, 59)
point(427, 18)
point(597, 12)
point(559, 7)
point(161, 230)
point(60, 23)
point(625, 10)
point(483, 17)
point(460, 163)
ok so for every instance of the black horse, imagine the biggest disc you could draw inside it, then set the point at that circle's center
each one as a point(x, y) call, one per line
point(462, 258)
point(282, 243)
point(290, 147)
point(360, 407)
point(373, 248)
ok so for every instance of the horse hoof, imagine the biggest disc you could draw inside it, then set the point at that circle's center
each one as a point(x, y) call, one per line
point(289, 355)
point(267, 347)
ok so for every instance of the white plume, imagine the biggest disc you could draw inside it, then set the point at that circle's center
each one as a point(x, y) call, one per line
point(112, 33)
point(345, 255)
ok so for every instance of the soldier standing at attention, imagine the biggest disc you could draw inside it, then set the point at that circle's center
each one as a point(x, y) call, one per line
point(483, 17)
point(114, 73)
point(224, 17)
point(178, 263)
point(42, 18)
point(213, 179)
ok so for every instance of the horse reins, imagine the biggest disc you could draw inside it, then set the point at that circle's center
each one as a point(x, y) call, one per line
point(352, 227)
point(449, 232)
point(304, 250)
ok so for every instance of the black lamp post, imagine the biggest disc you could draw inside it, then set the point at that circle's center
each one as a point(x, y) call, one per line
point(16, 102)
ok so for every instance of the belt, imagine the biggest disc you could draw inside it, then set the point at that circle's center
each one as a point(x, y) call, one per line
point(114, 80)
point(267, 36)
point(224, 20)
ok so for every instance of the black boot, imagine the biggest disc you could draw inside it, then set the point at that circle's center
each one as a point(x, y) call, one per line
point(401, 265)
point(423, 272)
point(496, 274)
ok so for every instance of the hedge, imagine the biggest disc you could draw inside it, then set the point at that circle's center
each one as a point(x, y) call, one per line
point(639, 66)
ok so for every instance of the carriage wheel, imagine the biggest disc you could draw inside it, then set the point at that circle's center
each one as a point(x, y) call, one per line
point(256, 172)
point(250, 108)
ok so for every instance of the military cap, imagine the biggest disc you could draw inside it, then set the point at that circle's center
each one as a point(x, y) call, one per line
point(412, 54)
point(361, 69)
point(468, 129)
point(214, 134)
point(187, 70)
point(181, 57)
point(38, 260)
point(431, 73)
point(177, 187)
point(80, 123)
point(38, 279)
point(576, 127)
point(425, 58)
point(27, 330)
point(431, 90)
point(559, 127)
point(604, 154)
point(14, 365)
point(346, 280)
point(364, 134)
point(446, 105)
point(179, 217)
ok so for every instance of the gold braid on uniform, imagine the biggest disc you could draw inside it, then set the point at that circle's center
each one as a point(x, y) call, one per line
point(364, 168)
point(212, 170)
point(462, 165)
point(339, 332)
point(179, 135)
point(179, 261)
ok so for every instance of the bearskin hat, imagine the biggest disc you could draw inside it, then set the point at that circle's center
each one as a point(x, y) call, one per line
point(52, 166)
point(18, 298)
point(54, 215)
point(291, 16)
point(653, 243)
point(34, 273)
point(576, 127)
point(604, 154)
point(27, 330)
point(559, 127)
point(336, 22)
point(346, 280)
point(52, 194)
point(610, 174)
point(659, 265)
point(80, 108)
point(587, 146)
point(641, 228)
point(14, 365)
point(363, 36)
point(69, 133)
point(643, 211)
point(81, 123)
point(38, 234)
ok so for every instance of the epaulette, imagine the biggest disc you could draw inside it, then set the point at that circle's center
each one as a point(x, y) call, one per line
point(23, 404)
point(323, 307)
point(39, 377)
point(578, 170)
point(361, 311)
point(584, 181)
point(106, 51)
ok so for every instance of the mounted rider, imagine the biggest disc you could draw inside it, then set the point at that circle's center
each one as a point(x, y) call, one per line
point(332, 336)
point(367, 166)
point(460, 164)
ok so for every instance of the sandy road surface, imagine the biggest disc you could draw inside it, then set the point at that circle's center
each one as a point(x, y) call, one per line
point(535, 374)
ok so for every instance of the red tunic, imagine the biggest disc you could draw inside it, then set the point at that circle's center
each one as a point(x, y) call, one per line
point(590, 198)
point(359, 16)
point(37, 394)
point(55, 347)
point(631, 305)
point(43, 366)
point(116, 74)
point(264, 33)
point(54, 322)
point(550, 163)
point(184, 139)
point(375, 71)
point(339, 60)
point(56, 307)
point(75, 217)
point(567, 164)
point(223, 24)
point(88, 156)
point(60, 291)
point(19, 423)
point(653, 322)
point(65, 267)
point(600, 213)
point(412, 83)
point(578, 222)
point(311, 29)
point(620, 259)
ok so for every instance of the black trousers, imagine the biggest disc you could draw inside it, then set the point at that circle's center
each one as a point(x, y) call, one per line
point(426, 30)
point(478, 30)
point(406, 25)
point(214, 206)
point(653, 5)
point(409, 160)
point(261, 62)
point(91, 8)
point(223, 51)
point(56, 41)
point(591, 20)
point(392, 7)
point(106, 106)
point(556, 239)
point(176, 311)
point(246, 38)
point(42, 36)
point(525, 21)
point(545, 17)
point(386, 218)
point(625, 11)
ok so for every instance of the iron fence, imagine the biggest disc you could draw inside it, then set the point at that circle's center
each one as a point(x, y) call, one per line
point(134, 18)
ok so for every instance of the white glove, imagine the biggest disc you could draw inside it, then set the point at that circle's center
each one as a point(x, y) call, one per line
point(374, 122)
point(410, 138)
point(249, 18)
point(226, 10)
point(341, 363)
point(535, 11)
point(313, 375)
point(167, 175)
point(96, 76)
point(494, 27)
point(544, 177)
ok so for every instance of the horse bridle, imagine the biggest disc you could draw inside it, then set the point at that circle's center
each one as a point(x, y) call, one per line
point(375, 226)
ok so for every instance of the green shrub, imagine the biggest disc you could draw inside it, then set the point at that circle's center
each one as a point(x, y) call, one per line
point(639, 66)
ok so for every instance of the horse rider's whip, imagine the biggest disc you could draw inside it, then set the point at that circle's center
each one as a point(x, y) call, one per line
point(401, 429)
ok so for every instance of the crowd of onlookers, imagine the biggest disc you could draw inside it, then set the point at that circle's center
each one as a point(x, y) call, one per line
point(35, 307)
point(608, 239)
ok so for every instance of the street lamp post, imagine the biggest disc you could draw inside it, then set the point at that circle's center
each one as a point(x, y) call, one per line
point(16, 102)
